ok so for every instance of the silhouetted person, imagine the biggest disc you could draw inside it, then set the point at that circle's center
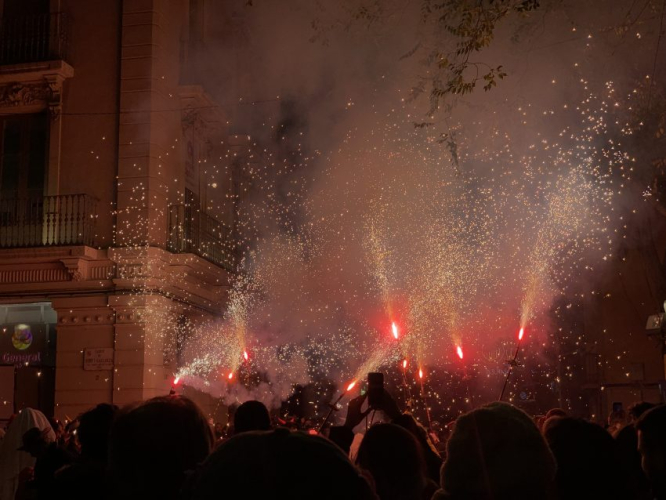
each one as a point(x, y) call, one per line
point(651, 429)
point(154, 445)
point(395, 459)
point(279, 464)
point(588, 464)
point(88, 472)
point(496, 452)
point(630, 458)
point(432, 457)
point(49, 459)
point(14, 464)
point(343, 435)
point(251, 416)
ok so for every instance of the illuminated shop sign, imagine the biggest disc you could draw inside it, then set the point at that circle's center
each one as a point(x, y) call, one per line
point(22, 344)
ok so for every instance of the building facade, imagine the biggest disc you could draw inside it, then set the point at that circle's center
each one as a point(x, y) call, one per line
point(114, 229)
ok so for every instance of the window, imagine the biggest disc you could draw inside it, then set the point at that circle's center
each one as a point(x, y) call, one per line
point(23, 153)
point(18, 8)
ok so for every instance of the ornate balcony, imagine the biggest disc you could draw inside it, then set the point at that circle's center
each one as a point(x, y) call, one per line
point(193, 231)
point(33, 38)
point(48, 221)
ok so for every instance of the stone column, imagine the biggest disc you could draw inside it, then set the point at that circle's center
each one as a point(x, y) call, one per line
point(149, 174)
point(83, 322)
point(145, 345)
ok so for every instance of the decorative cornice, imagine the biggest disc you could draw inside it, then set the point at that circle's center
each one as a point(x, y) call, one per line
point(27, 88)
point(25, 94)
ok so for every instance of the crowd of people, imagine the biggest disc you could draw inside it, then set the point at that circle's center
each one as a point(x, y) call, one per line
point(165, 448)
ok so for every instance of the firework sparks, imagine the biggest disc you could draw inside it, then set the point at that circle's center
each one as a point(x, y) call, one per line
point(478, 230)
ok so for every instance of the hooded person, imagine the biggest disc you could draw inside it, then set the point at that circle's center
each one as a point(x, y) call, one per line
point(497, 452)
point(154, 445)
point(279, 464)
point(13, 460)
point(588, 460)
point(395, 459)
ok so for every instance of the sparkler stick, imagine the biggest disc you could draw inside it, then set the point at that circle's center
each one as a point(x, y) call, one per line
point(408, 391)
point(425, 400)
point(334, 406)
point(176, 381)
point(461, 355)
point(512, 362)
point(247, 370)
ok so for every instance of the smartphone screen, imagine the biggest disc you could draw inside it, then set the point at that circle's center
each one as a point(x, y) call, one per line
point(375, 389)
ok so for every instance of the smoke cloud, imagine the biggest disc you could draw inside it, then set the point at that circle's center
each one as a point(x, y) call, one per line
point(462, 228)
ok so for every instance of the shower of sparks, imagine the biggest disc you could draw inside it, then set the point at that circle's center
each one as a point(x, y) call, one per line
point(393, 230)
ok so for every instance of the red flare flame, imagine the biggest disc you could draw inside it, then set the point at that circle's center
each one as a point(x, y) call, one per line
point(404, 363)
point(521, 333)
point(420, 373)
point(231, 375)
point(459, 351)
point(176, 380)
point(351, 386)
point(245, 355)
point(394, 328)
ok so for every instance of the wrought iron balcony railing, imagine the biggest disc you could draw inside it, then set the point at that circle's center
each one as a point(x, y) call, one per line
point(68, 219)
point(193, 231)
point(33, 38)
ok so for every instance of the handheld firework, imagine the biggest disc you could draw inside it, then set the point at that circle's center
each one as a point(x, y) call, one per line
point(425, 400)
point(176, 381)
point(408, 392)
point(334, 407)
point(466, 378)
point(512, 362)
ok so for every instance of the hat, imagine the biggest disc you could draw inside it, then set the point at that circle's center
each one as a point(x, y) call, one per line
point(32, 437)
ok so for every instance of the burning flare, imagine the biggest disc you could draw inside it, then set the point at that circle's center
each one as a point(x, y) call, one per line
point(404, 364)
point(176, 380)
point(351, 386)
point(394, 327)
point(420, 373)
point(521, 333)
point(459, 351)
point(231, 375)
point(245, 355)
